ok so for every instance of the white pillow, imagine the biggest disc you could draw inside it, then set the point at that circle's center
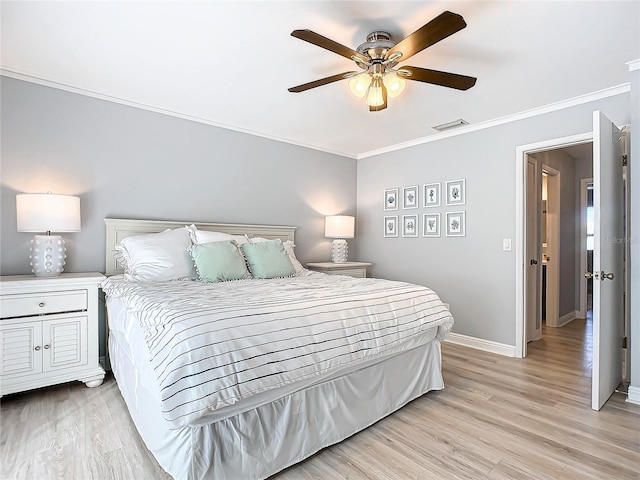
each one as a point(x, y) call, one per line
point(205, 236)
point(289, 248)
point(158, 256)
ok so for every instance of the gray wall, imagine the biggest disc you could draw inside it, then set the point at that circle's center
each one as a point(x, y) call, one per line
point(471, 273)
point(131, 163)
point(126, 162)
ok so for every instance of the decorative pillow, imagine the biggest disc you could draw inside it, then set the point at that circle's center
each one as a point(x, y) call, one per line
point(157, 256)
point(268, 259)
point(219, 261)
point(289, 248)
point(206, 236)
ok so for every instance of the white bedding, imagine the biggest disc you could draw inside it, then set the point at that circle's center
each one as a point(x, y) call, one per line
point(209, 355)
point(256, 442)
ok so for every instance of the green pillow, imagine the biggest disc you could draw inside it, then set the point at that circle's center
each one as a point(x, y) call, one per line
point(219, 261)
point(268, 259)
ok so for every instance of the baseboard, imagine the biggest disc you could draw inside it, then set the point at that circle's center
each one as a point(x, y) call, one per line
point(481, 344)
point(633, 395)
point(567, 318)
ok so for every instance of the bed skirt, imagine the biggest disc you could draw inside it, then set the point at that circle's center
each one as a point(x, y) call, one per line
point(264, 440)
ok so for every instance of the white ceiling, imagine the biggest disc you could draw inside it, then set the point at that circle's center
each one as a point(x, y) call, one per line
point(229, 63)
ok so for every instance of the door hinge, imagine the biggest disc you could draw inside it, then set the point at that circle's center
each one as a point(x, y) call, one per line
point(625, 160)
point(624, 342)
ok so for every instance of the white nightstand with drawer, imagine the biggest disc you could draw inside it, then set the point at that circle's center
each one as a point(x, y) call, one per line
point(353, 269)
point(49, 331)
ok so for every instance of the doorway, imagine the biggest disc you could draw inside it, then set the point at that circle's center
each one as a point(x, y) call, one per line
point(560, 222)
point(554, 215)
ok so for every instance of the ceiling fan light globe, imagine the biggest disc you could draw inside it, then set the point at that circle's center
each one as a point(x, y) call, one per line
point(359, 85)
point(375, 97)
point(394, 83)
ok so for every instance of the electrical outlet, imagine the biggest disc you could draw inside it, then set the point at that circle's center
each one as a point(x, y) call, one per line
point(506, 244)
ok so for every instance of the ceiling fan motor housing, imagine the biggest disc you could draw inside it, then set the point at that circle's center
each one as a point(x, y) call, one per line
point(376, 47)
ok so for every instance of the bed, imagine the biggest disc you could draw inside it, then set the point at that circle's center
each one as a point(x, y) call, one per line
point(240, 379)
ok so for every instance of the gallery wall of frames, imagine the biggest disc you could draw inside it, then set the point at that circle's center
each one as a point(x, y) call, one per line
point(414, 222)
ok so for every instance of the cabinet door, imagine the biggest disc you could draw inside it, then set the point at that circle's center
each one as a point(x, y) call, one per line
point(20, 348)
point(64, 342)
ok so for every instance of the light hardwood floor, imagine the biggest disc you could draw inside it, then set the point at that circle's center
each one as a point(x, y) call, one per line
point(498, 418)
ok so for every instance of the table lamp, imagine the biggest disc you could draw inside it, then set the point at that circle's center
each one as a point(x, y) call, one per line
point(46, 213)
point(339, 227)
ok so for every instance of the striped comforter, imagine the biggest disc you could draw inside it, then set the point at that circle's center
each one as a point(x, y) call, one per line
point(212, 345)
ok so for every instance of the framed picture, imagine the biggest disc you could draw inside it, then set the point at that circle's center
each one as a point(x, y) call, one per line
point(410, 197)
point(431, 225)
point(390, 226)
point(455, 224)
point(431, 195)
point(455, 192)
point(410, 225)
point(391, 199)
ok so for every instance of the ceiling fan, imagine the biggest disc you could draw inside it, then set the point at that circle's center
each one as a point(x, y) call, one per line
point(377, 57)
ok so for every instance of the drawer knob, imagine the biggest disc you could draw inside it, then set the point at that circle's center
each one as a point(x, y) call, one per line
point(37, 349)
point(41, 304)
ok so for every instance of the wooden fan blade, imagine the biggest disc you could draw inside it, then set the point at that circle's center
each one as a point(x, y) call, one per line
point(384, 105)
point(324, 42)
point(445, 79)
point(319, 83)
point(445, 24)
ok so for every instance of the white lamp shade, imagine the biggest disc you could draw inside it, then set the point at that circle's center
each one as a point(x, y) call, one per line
point(47, 212)
point(339, 226)
point(359, 84)
point(394, 83)
point(375, 98)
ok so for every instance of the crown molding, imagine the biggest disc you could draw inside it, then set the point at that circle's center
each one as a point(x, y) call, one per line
point(582, 99)
point(552, 107)
point(11, 73)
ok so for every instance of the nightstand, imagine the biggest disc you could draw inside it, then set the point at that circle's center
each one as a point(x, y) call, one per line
point(354, 269)
point(49, 331)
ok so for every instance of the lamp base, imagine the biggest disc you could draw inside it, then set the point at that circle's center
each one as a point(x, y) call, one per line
point(47, 255)
point(339, 250)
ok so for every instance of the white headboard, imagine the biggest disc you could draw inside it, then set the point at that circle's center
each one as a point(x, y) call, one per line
point(118, 228)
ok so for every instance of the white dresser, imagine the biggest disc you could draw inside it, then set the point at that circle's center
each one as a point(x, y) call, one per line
point(49, 331)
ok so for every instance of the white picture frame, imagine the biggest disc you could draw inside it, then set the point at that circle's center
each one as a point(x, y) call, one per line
point(391, 226)
point(431, 195)
point(410, 197)
point(410, 225)
point(456, 194)
point(456, 224)
point(431, 225)
point(391, 199)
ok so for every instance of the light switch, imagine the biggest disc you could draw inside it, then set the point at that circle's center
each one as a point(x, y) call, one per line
point(506, 244)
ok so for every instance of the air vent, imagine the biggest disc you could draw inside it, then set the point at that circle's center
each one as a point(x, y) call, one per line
point(446, 126)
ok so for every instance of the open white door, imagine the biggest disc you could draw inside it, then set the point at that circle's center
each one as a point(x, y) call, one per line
point(608, 286)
